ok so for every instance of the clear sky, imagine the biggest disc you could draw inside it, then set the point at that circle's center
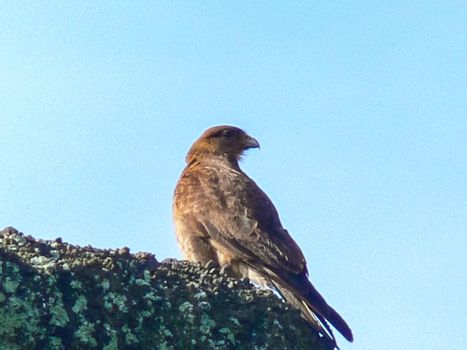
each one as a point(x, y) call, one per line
point(360, 108)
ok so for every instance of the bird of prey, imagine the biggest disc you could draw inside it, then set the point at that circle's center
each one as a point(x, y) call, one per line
point(221, 215)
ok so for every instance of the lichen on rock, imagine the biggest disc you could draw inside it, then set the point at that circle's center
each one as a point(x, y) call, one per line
point(55, 295)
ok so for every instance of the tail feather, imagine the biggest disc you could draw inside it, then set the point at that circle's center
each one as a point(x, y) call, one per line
point(314, 319)
point(319, 306)
point(315, 310)
point(298, 291)
point(338, 322)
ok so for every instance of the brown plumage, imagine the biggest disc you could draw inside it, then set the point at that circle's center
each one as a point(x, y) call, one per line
point(220, 214)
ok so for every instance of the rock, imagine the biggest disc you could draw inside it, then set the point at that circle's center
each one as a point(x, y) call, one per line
point(54, 295)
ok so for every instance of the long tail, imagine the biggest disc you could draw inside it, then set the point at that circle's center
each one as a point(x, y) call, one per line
point(317, 304)
point(316, 311)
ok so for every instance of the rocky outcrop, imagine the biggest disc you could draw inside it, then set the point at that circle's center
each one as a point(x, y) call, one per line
point(55, 295)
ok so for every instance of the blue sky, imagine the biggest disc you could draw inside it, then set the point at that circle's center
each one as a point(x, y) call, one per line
point(360, 109)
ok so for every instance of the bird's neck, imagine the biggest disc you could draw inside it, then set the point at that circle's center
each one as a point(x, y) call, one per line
point(225, 159)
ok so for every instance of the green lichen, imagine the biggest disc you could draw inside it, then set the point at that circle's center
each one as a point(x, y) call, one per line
point(117, 300)
point(105, 284)
point(234, 321)
point(152, 296)
point(113, 344)
point(75, 284)
point(54, 254)
point(19, 319)
point(129, 336)
point(228, 333)
point(80, 304)
point(186, 307)
point(59, 315)
point(165, 346)
point(42, 263)
point(10, 286)
point(145, 281)
point(54, 343)
point(85, 334)
point(207, 323)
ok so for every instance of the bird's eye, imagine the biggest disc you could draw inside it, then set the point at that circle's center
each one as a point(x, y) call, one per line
point(223, 133)
point(227, 133)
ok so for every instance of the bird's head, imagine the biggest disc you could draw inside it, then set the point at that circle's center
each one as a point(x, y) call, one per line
point(224, 141)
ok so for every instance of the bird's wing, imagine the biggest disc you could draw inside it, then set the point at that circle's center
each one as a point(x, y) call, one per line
point(242, 222)
point(240, 217)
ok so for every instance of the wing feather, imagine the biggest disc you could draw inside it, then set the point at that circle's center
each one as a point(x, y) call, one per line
point(245, 221)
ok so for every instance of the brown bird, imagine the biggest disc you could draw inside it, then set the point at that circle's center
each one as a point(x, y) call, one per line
point(220, 214)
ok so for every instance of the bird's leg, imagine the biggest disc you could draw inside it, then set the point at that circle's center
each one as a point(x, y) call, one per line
point(227, 270)
point(211, 264)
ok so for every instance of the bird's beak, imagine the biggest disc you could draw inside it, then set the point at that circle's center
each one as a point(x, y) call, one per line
point(251, 142)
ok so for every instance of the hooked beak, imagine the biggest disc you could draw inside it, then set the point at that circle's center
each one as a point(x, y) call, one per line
point(251, 142)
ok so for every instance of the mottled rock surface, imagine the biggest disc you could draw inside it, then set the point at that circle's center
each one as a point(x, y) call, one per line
point(54, 295)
